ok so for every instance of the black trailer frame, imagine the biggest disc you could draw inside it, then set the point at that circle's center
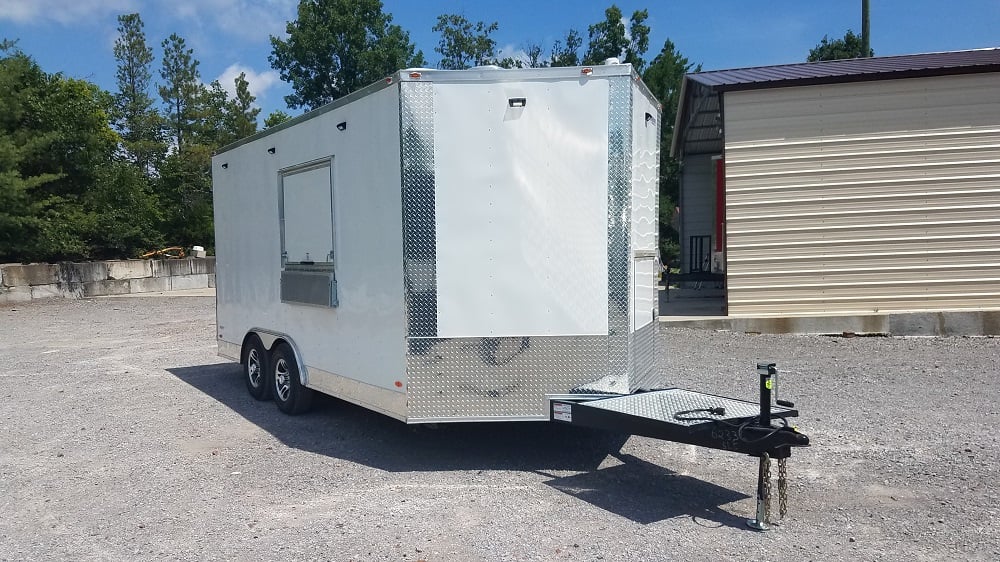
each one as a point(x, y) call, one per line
point(697, 418)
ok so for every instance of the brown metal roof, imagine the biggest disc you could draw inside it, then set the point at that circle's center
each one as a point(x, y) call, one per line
point(698, 130)
point(851, 70)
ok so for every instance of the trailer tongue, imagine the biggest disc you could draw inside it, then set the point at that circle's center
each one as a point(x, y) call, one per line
point(704, 420)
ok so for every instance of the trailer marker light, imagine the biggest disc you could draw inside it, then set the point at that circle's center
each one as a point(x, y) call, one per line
point(587, 71)
point(414, 75)
point(399, 384)
point(388, 79)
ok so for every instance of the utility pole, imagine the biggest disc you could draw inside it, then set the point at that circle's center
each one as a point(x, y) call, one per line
point(866, 32)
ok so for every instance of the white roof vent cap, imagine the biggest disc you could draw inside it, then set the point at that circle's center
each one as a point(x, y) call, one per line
point(612, 60)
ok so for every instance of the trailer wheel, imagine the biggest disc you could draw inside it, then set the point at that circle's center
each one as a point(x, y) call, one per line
point(291, 397)
point(255, 368)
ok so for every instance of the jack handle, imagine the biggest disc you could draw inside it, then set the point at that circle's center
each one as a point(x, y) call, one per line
point(768, 377)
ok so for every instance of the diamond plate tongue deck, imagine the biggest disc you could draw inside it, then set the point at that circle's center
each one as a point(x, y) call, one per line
point(691, 407)
point(685, 416)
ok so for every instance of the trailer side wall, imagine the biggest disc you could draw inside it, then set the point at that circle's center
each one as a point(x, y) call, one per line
point(361, 339)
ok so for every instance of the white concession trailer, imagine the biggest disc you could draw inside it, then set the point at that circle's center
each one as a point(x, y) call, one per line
point(473, 245)
point(449, 245)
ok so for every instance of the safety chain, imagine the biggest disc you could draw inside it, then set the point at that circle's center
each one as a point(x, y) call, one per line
point(766, 461)
point(782, 487)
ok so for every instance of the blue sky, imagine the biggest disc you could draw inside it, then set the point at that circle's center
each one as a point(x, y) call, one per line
point(76, 36)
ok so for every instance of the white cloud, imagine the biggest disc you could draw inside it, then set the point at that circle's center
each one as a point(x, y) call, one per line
point(252, 20)
point(260, 82)
point(65, 12)
point(514, 52)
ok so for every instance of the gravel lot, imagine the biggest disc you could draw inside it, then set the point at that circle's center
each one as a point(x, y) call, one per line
point(123, 436)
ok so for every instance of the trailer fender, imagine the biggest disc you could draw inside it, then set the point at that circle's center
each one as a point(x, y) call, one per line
point(271, 338)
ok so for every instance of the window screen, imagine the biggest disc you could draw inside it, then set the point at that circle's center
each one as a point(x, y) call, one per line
point(307, 214)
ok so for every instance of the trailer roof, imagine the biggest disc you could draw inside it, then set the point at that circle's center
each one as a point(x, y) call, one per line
point(477, 74)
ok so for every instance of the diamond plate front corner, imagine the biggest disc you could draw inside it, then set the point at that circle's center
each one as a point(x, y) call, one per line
point(419, 247)
point(619, 223)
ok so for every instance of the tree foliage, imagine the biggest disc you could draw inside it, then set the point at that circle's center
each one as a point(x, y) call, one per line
point(180, 90)
point(850, 47)
point(55, 137)
point(664, 77)
point(610, 38)
point(135, 116)
point(565, 52)
point(464, 44)
point(276, 117)
point(241, 114)
point(337, 46)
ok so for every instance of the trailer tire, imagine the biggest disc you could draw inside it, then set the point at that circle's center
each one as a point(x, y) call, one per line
point(291, 397)
point(256, 371)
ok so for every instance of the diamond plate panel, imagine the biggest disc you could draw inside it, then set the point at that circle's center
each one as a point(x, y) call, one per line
point(664, 404)
point(419, 250)
point(644, 373)
point(466, 378)
point(619, 223)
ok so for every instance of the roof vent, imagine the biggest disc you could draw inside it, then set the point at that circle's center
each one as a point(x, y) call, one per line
point(612, 60)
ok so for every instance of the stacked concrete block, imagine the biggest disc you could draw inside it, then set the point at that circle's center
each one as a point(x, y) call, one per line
point(22, 283)
point(130, 269)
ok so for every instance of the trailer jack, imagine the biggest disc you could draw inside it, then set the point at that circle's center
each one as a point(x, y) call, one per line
point(705, 420)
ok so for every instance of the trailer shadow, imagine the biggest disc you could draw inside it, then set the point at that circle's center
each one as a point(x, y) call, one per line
point(646, 493)
point(632, 488)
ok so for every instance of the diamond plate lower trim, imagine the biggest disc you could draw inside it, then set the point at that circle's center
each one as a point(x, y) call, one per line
point(664, 404)
point(416, 102)
point(498, 378)
point(642, 355)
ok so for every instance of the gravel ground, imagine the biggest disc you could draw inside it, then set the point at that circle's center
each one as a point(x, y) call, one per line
point(123, 436)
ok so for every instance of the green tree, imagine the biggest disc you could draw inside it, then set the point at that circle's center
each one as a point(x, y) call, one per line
point(664, 77)
point(566, 52)
point(125, 216)
point(609, 39)
point(507, 62)
point(850, 47)
point(276, 117)
point(464, 44)
point(534, 53)
point(21, 204)
point(337, 46)
point(212, 118)
point(196, 117)
point(54, 139)
point(134, 114)
point(241, 115)
point(180, 90)
point(185, 184)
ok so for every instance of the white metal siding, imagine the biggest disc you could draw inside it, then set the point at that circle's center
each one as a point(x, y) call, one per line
point(363, 338)
point(697, 203)
point(645, 183)
point(865, 197)
point(521, 208)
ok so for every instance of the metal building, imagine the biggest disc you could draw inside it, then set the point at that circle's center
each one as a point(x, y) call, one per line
point(845, 187)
